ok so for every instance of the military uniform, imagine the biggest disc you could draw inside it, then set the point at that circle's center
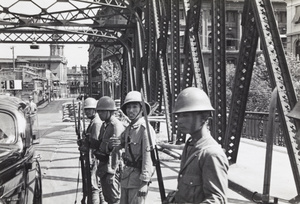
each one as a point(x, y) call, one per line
point(199, 181)
point(203, 170)
point(110, 162)
point(93, 130)
point(137, 159)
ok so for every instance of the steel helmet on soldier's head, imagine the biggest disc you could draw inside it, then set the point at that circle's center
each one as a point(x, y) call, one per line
point(192, 99)
point(90, 103)
point(106, 103)
point(295, 113)
point(134, 96)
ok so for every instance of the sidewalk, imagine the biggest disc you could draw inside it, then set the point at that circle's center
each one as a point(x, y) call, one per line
point(247, 175)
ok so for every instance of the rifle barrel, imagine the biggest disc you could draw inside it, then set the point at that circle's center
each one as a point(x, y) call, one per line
point(154, 153)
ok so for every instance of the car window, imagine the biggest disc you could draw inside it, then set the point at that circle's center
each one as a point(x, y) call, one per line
point(7, 129)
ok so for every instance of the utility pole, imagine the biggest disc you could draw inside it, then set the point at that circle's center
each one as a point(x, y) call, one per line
point(13, 56)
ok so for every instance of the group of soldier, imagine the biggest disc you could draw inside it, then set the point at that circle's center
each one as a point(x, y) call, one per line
point(122, 167)
point(117, 150)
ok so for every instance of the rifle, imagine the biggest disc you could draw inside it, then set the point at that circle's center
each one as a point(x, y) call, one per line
point(84, 159)
point(154, 154)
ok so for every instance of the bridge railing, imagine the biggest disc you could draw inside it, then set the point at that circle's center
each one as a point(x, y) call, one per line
point(255, 128)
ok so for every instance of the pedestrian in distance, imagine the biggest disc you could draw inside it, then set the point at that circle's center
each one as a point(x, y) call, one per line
point(110, 162)
point(31, 110)
point(138, 168)
point(92, 133)
point(203, 176)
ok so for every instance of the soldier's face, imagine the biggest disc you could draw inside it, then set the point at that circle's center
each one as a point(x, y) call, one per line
point(89, 112)
point(103, 114)
point(189, 122)
point(133, 110)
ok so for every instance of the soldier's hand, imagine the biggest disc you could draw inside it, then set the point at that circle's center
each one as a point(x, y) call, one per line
point(143, 189)
point(80, 142)
point(110, 178)
point(114, 142)
point(82, 145)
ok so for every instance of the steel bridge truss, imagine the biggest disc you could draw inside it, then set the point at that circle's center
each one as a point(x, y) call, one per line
point(149, 36)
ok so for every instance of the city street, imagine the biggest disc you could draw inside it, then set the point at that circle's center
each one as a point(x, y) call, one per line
point(62, 177)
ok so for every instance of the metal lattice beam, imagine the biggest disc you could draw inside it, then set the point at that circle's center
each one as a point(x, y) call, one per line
point(219, 70)
point(280, 77)
point(240, 88)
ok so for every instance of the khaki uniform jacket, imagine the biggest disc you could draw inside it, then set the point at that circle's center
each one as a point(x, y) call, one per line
point(94, 127)
point(136, 136)
point(204, 178)
point(113, 128)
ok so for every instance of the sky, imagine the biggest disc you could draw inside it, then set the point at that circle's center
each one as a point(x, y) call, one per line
point(76, 54)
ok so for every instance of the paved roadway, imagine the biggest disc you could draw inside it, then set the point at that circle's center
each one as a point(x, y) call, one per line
point(61, 170)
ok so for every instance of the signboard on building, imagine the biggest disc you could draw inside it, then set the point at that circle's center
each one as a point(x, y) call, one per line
point(12, 85)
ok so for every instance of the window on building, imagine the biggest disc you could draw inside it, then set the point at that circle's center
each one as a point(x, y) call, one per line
point(230, 42)
point(181, 14)
point(281, 17)
point(297, 53)
point(210, 41)
point(231, 16)
point(296, 18)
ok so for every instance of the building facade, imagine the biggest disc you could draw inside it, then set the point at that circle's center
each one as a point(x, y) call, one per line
point(42, 76)
point(77, 81)
point(293, 28)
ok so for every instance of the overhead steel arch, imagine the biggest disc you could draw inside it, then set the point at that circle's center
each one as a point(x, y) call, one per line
point(65, 21)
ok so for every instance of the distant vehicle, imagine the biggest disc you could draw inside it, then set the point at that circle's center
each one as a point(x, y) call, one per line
point(20, 172)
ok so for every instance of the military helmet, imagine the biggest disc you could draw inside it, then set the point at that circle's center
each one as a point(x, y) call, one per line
point(134, 96)
point(106, 103)
point(90, 103)
point(295, 113)
point(192, 99)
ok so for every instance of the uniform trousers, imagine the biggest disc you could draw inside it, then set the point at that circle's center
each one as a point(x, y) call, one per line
point(129, 196)
point(111, 187)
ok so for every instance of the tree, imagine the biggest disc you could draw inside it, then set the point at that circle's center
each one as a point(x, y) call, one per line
point(294, 67)
point(260, 86)
point(111, 73)
point(259, 90)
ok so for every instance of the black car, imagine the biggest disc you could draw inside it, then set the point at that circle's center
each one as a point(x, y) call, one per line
point(20, 172)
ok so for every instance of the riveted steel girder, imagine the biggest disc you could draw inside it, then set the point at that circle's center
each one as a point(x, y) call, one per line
point(240, 88)
point(64, 21)
point(195, 68)
point(175, 63)
point(280, 77)
point(161, 33)
point(219, 70)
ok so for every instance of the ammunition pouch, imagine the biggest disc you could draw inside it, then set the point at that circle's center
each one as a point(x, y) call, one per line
point(102, 157)
point(134, 164)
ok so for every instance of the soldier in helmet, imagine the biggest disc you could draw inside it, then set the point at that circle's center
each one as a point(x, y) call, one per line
point(138, 168)
point(204, 165)
point(92, 132)
point(110, 163)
